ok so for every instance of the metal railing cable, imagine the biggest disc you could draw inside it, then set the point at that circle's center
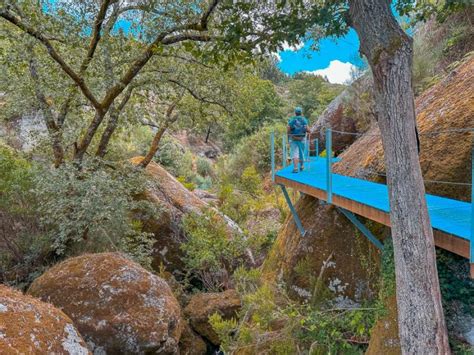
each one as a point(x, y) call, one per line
point(426, 134)
point(373, 172)
point(430, 133)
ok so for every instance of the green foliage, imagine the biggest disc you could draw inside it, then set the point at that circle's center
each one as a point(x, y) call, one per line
point(256, 104)
point(212, 250)
point(270, 322)
point(203, 167)
point(313, 93)
point(90, 209)
point(250, 181)
point(16, 175)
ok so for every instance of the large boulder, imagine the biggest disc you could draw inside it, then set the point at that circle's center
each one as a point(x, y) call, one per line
point(118, 306)
point(174, 202)
point(445, 107)
point(29, 326)
point(331, 248)
point(384, 336)
point(204, 305)
point(352, 111)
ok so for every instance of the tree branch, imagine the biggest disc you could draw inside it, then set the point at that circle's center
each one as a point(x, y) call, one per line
point(197, 97)
point(95, 34)
point(7, 15)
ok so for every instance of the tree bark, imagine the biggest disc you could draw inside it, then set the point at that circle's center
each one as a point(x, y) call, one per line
point(389, 52)
point(154, 146)
point(54, 131)
point(169, 119)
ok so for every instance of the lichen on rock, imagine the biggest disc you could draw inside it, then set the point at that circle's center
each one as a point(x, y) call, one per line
point(29, 326)
point(118, 306)
point(203, 305)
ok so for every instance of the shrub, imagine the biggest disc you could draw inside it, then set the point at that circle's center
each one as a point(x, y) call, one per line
point(212, 251)
point(250, 181)
point(270, 322)
point(90, 209)
point(203, 167)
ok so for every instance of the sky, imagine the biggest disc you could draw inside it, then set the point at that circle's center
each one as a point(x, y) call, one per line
point(336, 58)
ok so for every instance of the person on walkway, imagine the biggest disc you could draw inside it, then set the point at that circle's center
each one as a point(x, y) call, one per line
point(296, 130)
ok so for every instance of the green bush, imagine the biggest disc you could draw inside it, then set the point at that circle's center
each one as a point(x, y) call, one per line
point(300, 328)
point(250, 181)
point(203, 167)
point(91, 209)
point(16, 180)
point(212, 251)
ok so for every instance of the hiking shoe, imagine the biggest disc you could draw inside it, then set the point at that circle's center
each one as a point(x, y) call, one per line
point(301, 168)
point(294, 171)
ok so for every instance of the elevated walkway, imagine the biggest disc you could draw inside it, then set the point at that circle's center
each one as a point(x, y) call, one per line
point(451, 219)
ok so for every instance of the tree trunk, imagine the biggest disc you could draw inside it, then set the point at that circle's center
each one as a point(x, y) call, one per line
point(154, 146)
point(208, 134)
point(389, 52)
point(54, 131)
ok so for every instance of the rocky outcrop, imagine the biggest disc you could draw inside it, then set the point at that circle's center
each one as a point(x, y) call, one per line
point(204, 305)
point(29, 326)
point(118, 306)
point(331, 247)
point(191, 343)
point(174, 202)
point(446, 107)
point(351, 111)
point(198, 145)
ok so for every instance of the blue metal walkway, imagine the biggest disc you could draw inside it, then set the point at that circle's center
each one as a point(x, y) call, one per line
point(450, 216)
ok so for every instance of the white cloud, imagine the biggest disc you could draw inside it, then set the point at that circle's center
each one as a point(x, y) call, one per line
point(277, 56)
point(294, 48)
point(337, 72)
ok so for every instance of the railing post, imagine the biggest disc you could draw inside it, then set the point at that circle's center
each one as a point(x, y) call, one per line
point(329, 164)
point(272, 153)
point(471, 242)
point(283, 141)
point(316, 145)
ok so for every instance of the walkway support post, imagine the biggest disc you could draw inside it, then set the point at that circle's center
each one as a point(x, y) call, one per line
point(329, 165)
point(365, 231)
point(316, 147)
point(293, 211)
point(471, 242)
point(283, 142)
point(272, 154)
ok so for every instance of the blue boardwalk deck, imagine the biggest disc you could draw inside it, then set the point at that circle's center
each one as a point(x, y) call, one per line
point(451, 217)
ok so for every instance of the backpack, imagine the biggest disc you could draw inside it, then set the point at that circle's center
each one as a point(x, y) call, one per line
point(298, 127)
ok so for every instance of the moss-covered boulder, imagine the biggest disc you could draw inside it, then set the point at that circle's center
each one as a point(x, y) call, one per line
point(204, 305)
point(384, 337)
point(332, 250)
point(29, 326)
point(118, 306)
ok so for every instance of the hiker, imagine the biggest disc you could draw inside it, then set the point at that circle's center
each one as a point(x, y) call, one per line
point(296, 130)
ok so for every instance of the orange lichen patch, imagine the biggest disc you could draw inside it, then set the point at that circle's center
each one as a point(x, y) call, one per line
point(384, 338)
point(116, 304)
point(204, 305)
point(448, 105)
point(29, 326)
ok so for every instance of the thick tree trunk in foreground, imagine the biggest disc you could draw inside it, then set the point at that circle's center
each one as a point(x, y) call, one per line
point(389, 52)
